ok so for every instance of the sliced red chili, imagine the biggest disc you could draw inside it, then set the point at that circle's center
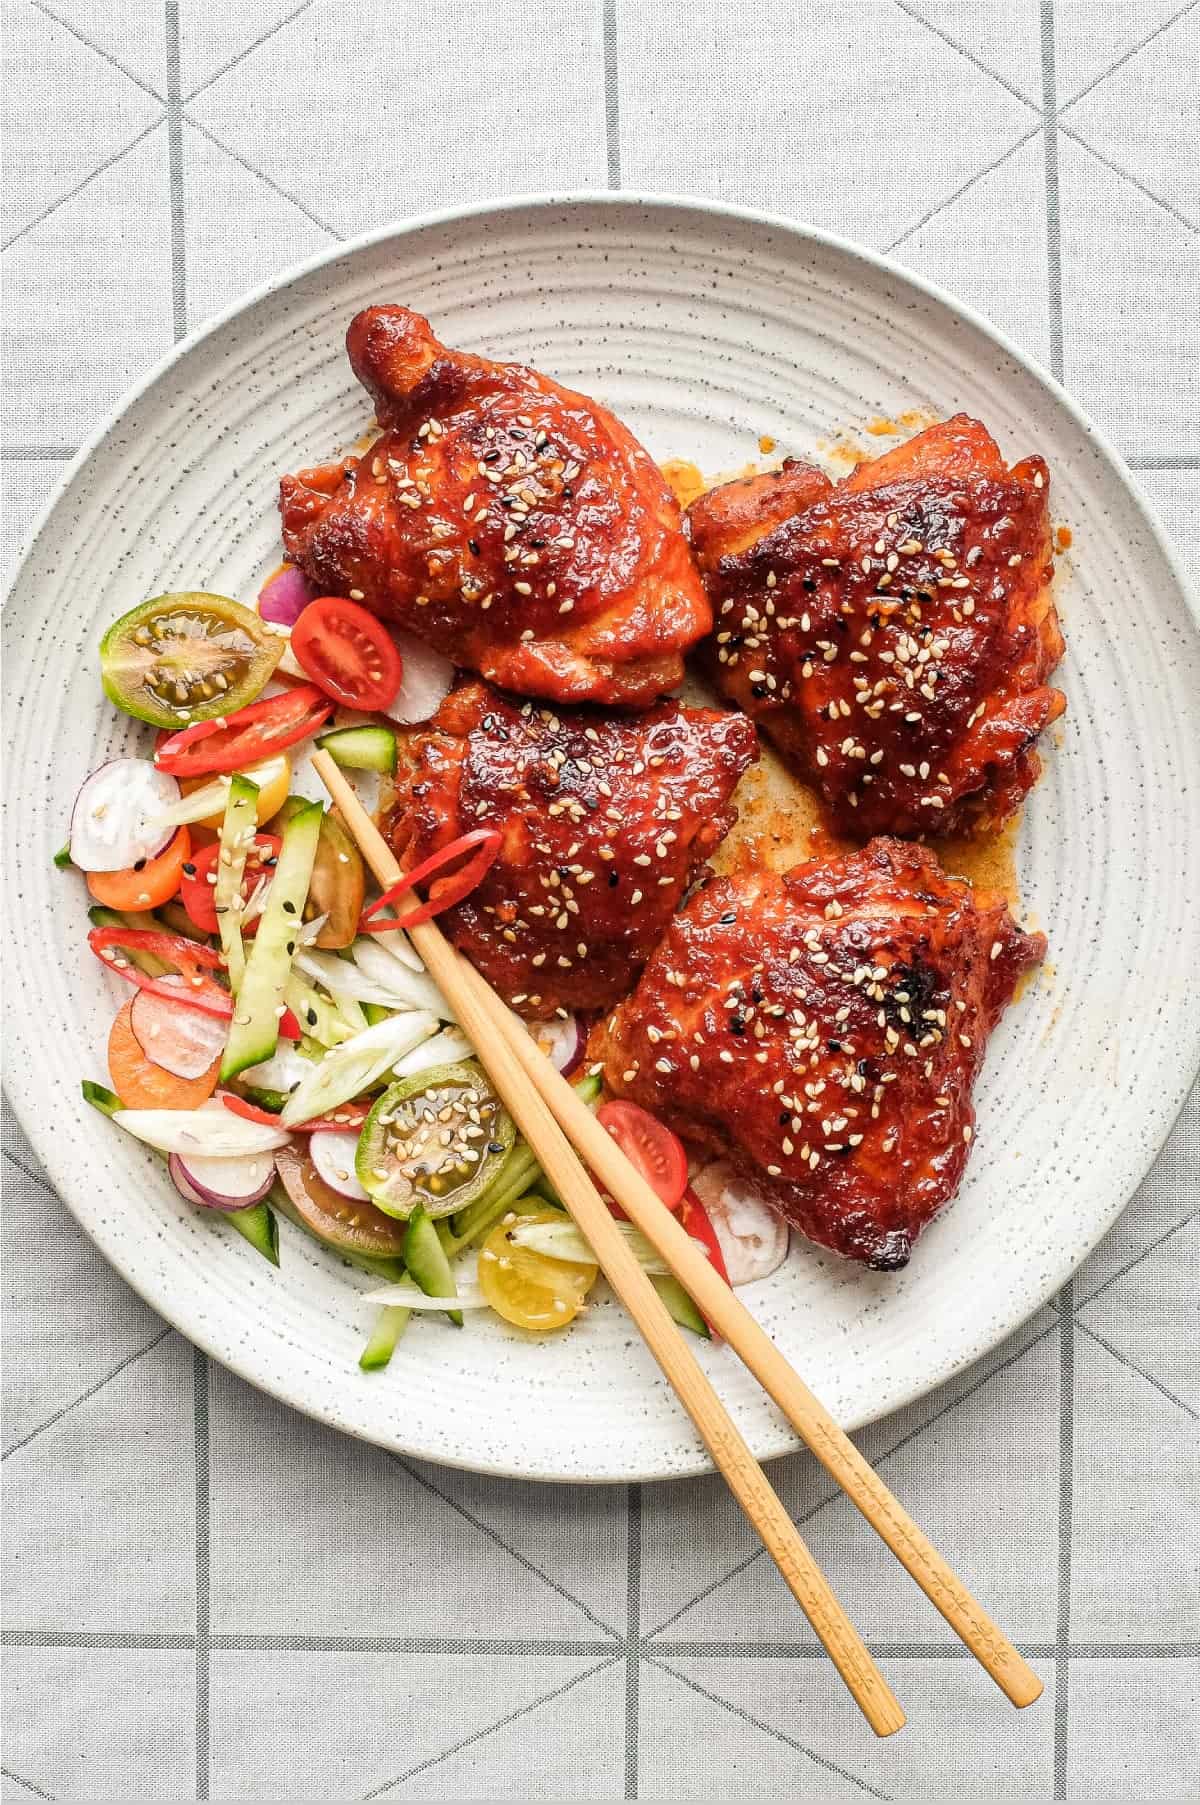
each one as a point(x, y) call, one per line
point(444, 891)
point(246, 737)
point(696, 1220)
point(192, 960)
point(348, 1117)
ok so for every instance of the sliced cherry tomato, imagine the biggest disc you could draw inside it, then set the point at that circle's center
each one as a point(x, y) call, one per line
point(647, 1144)
point(149, 883)
point(445, 891)
point(246, 737)
point(347, 652)
point(349, 1116)
point(197, 890)
point(528, 1289)
point(192, 960)
point(141, 1084)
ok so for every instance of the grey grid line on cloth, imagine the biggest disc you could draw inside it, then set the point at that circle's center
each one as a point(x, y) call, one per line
point(634, 1658)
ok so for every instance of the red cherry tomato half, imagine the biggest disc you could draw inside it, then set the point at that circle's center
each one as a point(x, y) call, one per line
point(197, 893)
point(246, 737)
point(654, 1150)
point(347, 653)
point(444, 892)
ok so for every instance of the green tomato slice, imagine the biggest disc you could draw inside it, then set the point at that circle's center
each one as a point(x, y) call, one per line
point(188, 657)
point(434, 1141)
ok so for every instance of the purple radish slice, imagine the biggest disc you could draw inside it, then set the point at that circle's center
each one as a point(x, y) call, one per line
point(562, 1041)
point(114, 820)
point(427, 680)
point(752, 1235)
point(283, 599)
point(226, 1184)
point(179, 1178)
point(180, 1040)
point(332, 1153)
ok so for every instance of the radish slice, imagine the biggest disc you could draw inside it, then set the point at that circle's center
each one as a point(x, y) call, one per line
point(180, 1040)
point(117, 818)
point(227, 1184)
point(427, 679)
point(182, 1183)
point(753, 1236)
point(283, 599)
point(561, 1041)
point(210, 1132)
point(333, 1156)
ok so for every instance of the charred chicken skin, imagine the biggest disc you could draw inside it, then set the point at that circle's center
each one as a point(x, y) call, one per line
point(823, 1030)
point(517, 527)
point(605, 819)
point(892, 633)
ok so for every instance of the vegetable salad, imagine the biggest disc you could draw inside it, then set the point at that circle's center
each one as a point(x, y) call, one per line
point(279, 1041)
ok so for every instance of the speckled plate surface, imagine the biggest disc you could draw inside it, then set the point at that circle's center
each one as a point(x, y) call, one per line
point(704, 328)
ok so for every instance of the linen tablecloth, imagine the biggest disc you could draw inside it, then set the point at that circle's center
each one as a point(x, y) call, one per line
point(208, 1596)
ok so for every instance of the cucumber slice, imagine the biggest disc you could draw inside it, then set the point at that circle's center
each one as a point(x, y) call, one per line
point(259, 1227)
point(150, 963)
point(237, 837)
point(260, 1002)
point(362, 748)
point(434, 1140)
point(175, 918)
point(679, 1305)
point(426, 1261)
point(390, 1324)
point(101, 1098)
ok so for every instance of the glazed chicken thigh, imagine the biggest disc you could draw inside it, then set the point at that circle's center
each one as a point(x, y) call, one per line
point(517, 527)
point(892, 633)
point(605, 819)
point(823, 1030)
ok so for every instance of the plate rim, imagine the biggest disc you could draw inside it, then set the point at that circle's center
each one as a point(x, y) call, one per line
point(703, 210)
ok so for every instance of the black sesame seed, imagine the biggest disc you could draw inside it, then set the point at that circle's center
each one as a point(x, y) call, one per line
point(729, 917)
point(189, 871)
point(473, 546)
point(835, 1046)
point(614, 878)
point(289, 905)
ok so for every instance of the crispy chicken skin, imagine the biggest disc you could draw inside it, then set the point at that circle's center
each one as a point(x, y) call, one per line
point(892, 633)
point(605, 819)
point(823, 1030)
point(517, 527)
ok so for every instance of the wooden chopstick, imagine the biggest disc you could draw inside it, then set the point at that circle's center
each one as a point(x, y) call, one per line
point(808, 1416)
point(484, 1018)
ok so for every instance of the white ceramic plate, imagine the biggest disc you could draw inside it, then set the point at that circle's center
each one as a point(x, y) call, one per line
point(704, 328)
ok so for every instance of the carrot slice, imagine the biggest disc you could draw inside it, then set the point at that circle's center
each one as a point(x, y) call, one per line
point(141, 1084)
point(147, 886)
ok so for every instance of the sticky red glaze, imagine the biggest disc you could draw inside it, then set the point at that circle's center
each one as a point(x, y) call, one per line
point(893, 633)
point(756, 1029)
point(605, 819)
point(491, 476)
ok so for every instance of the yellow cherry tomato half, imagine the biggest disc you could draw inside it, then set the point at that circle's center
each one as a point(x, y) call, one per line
point(529, 1289)
point(273, 777)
